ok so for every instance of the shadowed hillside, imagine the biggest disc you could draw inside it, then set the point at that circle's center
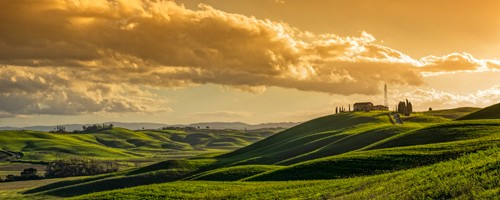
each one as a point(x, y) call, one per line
point(468, 177)
point(491, 112)
point(332, 135)
point(353, 148)
point(120, 143)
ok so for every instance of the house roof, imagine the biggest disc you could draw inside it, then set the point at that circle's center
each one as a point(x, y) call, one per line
point(363, 103)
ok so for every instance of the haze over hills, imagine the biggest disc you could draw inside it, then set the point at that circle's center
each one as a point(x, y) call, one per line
point(145, 125)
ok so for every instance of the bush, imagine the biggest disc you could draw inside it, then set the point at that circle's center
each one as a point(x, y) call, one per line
point(27, 174)
point(30, 173)
point(79, 167)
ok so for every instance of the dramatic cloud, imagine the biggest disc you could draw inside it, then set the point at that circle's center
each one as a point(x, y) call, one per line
point(83, 56)
point(25, 90)
point(425, 98)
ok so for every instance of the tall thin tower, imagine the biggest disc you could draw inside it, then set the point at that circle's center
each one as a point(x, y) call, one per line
point(385, 96)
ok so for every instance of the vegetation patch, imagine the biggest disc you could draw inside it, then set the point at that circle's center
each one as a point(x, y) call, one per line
point(473, 176)
point(234, 173)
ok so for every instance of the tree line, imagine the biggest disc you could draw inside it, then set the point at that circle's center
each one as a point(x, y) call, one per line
point(85, 129)
point(77, 166)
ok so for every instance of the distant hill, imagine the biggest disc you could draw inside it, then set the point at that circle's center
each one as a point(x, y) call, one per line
point(491, 112)
point(139, 125)
point(240, 125)
point(123, 143)
point(71, 127)
point(219, 125)
point(453, 113)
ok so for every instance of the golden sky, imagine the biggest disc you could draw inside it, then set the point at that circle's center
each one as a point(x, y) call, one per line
point(82, 61)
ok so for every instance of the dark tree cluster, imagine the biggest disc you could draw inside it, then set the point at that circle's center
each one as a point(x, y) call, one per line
point(59, 129)
point(187, 128)
point(405, 108)
point(79, 167)
point(26, 174)
point(339, 109)
point(95, 128)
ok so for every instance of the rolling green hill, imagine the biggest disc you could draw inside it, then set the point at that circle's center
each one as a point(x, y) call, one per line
point(308, 137)
point(491, 112)
point(362, 154)
point(473, 176)
point(234, 173)
point(120, 143)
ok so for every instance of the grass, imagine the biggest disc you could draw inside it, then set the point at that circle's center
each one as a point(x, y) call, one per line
point(234, 173)
point(304, 138)
point(120, 143)
point(15, 190)
point(445, 132)
point(452, 113)
point(361, 155)
point(328, 136)
point(363, 163)
point(472, 176)
point(491, 112)
point(157, 173)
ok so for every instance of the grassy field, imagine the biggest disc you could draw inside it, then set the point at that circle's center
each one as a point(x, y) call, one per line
point(472, 176)
point(120, 144)
point(344, 156)
point(490, 112)
point(14, 190)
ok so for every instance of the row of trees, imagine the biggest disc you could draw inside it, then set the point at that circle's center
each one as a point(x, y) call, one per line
point(79, 167)
point(85, 129)
point(66, 168)
point(59, 129)
point(97, 127)
point(183, 128)
point(26, 174)
point(342, 109)
point(405, 108)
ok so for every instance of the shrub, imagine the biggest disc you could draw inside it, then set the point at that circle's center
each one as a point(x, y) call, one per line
point(79, 167)
point(26, 174)
point(30, 173)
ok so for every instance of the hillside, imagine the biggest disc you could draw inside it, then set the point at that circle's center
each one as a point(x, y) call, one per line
point(491, 112)
point(330, 135)
point(410, 150)
point(353, 150)
point(306, 137)
point(120, 143)
point(140, 126)
point(471, 176)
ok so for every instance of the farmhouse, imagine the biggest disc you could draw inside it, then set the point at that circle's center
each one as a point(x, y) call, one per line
point(368, 106)
point(363, 106)
point(380, 107)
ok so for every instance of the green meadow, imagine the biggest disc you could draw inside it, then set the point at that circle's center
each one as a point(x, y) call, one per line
point(444, 154)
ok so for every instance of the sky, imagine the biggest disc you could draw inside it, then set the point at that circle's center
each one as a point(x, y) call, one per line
point(253, 61)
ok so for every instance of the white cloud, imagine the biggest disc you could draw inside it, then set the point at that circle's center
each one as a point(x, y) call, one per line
point(74, 57)
point(425, 98)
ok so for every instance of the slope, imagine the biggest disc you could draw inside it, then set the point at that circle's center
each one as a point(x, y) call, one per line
point(356, 163)
point(338, 140)
point(415, 148)
point(120, 143)
point(471, 176)
point(325, 136)
point(490, 112)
